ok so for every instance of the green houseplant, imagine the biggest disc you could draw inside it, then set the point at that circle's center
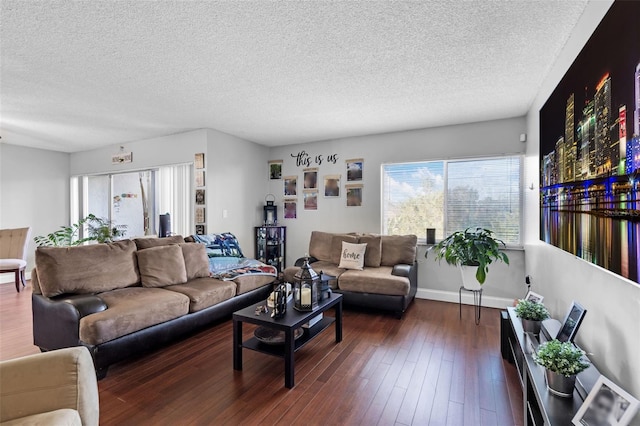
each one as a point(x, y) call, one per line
point(471, 250)
point(99, 230)
point(532, 314)
point(562, 362)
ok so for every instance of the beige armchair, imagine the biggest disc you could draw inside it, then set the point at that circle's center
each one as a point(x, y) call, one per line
point(52, 388)
point(13, 252)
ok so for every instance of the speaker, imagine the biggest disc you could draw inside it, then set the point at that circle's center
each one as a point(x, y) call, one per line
point(164, 230)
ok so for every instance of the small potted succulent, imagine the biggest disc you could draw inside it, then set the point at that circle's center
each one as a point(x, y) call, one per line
point(532, 314)
point(562, 362)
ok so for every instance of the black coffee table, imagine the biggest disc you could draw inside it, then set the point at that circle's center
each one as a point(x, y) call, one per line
point(291, 322)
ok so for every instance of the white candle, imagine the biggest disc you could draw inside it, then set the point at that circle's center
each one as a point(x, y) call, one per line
point(305, 296)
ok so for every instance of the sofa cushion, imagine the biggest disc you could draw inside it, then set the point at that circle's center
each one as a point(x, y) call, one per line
point(130, 310)
point(337, 248)
point(398, 249)
point(320, 245)
point(205, 292)
point(373, 255)
point(87, 269)
point(196, 260)
point(146, 243)
point(352, 256)
point(161, 266)
point(251, 282)
point(374, 280)
point(63, 416)
point(327, 268)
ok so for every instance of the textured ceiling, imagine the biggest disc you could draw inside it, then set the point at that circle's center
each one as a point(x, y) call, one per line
point(77, 75)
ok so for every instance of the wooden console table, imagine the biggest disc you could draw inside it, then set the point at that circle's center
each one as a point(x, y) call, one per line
point(541, 407)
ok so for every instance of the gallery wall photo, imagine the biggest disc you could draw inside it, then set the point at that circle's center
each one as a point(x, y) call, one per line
point(590, 149)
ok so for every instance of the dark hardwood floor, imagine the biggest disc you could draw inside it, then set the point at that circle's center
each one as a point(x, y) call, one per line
point(429, 368)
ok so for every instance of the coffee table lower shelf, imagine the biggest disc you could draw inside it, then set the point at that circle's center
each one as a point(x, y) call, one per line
point(279, 350)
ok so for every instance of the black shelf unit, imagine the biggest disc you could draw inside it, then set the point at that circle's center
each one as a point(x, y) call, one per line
point(271, 245)
point(541, 407)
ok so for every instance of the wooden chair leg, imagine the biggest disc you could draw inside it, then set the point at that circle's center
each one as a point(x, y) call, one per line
point(22, 278)
point(17, 280)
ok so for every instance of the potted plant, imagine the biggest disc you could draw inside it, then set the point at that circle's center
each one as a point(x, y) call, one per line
point(532, 314)
point(98, 230)
point(472, 250)
point(562, 362)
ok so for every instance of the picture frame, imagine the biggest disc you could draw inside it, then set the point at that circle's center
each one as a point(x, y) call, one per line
point(201, 230)
point(275, 170)
point(199, 160)
point(355, 169)
point(354, 195)
point(200, 179)
point(290, 208)
point(200, 215)
point(606, 404)
point(571, 323)
point(290, 185)
point(310, 178)
point(311, 199)
point(331, 186)
point(534, 297)
point(200, 197)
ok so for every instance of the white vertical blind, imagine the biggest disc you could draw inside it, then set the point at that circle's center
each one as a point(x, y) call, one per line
point(175, 196)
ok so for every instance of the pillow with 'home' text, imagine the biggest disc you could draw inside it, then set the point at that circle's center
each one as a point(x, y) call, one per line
point(352, 256)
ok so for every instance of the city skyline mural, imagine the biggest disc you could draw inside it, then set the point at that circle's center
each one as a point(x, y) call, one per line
point(590, 149)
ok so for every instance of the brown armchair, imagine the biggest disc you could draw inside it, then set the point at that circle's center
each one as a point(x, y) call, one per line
point(57, 387)
point(13, 253)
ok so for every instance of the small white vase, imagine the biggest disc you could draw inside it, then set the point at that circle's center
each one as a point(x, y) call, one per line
point(469, 280)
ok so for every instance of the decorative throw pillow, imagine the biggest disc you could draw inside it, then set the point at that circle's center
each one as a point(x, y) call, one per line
point(352, 256)
point(162, 266)
point(196, 260)
point(336, 246)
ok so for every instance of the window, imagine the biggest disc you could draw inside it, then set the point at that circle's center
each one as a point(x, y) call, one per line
point(135, 199)
point(453, 195)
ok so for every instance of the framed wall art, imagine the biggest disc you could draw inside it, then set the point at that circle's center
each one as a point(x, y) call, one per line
point(590, 149)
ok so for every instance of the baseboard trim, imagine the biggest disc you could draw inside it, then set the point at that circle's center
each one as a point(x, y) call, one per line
point(467, 298)
point(9, 277)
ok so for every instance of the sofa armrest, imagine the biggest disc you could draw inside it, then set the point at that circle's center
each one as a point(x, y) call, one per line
point(51, 381)
point(300, 261)
point(402, 270)
point(56, 321)
point(85, 304)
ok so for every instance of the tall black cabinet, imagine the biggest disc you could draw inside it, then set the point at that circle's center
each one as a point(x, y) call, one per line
point(271, 245)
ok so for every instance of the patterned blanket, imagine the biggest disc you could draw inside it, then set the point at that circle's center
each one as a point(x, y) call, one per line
point(241, 267)
point(226, 261)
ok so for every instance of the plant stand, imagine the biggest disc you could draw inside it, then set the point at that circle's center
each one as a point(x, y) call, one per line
point(477, 302)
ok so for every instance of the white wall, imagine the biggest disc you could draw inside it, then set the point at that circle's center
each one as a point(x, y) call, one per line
point(162, 151)
point(466, 140)
point(34, 191)
point(236, 184)
point(611, 329)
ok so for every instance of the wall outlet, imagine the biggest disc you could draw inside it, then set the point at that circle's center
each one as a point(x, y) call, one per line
point(225, 213)
point(527, 279)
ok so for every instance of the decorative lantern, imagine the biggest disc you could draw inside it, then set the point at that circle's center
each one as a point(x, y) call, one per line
point(270, 211)
point(306, 285)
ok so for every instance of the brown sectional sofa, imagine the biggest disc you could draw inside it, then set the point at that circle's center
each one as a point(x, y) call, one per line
point(128, 297)
point(388, 280)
